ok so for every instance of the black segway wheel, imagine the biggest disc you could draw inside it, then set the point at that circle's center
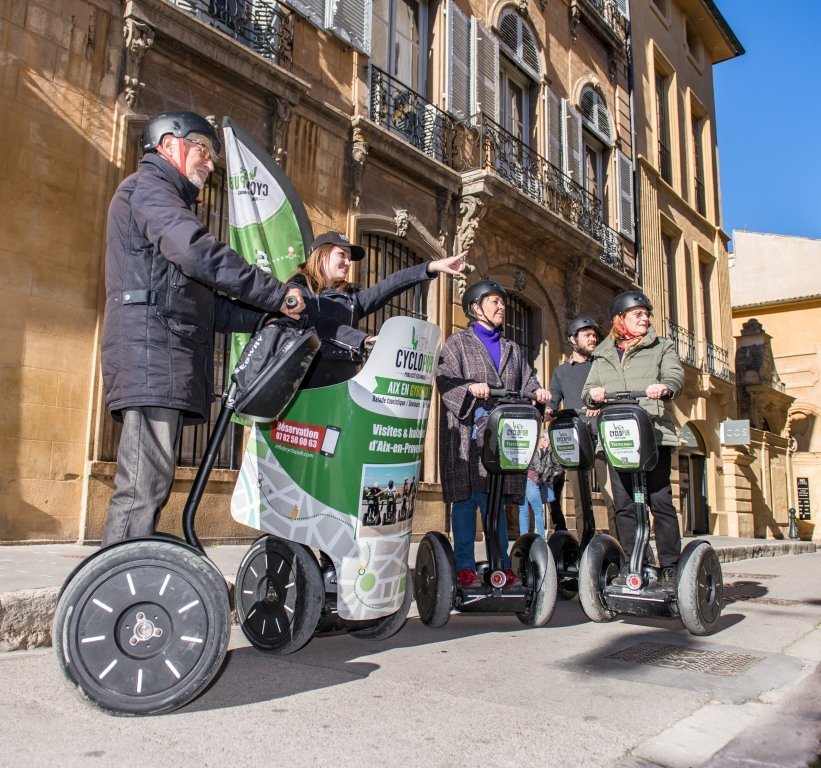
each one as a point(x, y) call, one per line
point(435, 580)
point(599, 565)
point(279, 595)
point(699, 588)
point(143, 627)
point(531, 558)
point(565, 550)
point(389, 625)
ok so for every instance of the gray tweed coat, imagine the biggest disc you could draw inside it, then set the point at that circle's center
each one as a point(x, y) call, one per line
point(465, 360)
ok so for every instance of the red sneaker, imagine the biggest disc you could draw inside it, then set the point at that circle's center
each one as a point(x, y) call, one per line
point(467, 577)
point(512, 579)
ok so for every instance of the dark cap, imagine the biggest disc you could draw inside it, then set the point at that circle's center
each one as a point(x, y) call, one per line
point(337, 238)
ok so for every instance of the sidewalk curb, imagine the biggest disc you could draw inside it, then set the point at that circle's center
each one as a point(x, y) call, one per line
point(26, 615)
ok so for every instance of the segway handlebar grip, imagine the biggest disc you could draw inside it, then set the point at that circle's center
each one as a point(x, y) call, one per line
point(513, 394)
point(633, 394)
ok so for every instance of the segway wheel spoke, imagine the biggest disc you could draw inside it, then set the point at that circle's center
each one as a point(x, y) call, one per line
point(279, 595)
point(143, 627)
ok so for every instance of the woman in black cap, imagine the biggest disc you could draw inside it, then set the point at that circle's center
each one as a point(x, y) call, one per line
point(334, 306)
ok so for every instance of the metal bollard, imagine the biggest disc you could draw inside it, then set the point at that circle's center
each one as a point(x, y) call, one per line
point(793, 531)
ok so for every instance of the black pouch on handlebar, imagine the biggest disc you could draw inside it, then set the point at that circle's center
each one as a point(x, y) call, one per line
point(271, 368)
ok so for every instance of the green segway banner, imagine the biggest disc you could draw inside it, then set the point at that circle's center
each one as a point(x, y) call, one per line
point(622, 443)
point(517, 441)
point(269, 226)
point(565, 444)
point(340, 470)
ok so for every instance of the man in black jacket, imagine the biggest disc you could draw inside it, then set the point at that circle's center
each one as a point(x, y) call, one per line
point(164, 272)
point(582, 335)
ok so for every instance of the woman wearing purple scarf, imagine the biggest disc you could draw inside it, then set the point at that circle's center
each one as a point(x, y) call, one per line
point(471, 363)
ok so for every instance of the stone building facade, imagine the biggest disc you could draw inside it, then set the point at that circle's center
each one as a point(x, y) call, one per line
point(684, 261)
point(418, 128)
point(777, 321)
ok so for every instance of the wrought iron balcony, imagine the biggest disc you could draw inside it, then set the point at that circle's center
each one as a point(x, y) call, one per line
point(485, 145)
point(604, 19)
point(716, 361)
point(264, 26)
point(411, 117)
point(684, 340)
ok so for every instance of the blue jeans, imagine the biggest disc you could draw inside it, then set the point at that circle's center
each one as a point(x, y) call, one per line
point(463, 522)
point(533, 498)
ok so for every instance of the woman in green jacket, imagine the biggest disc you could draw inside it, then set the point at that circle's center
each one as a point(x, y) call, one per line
point(634, 358)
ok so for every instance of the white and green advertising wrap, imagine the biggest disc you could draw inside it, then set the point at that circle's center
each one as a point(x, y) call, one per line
point(517, 442)
point(268, 222)
point(621, 439)
point(565, 444)
point(340, 469)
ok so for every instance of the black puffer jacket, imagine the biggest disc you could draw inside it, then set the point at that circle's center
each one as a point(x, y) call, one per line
point(162, 272)
point(336, 315)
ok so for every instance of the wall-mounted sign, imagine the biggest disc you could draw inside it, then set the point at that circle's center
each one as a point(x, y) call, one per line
point(803, 484)
point(735, 432)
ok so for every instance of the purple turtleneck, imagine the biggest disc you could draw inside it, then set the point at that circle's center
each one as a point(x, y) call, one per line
point(491, 340)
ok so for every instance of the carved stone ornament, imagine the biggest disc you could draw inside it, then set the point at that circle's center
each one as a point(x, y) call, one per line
point(442, 206)
point(139, 37)
point(471, 211)
point(281, 113)
point(519, 281)
point(402, 220)
point(521, 8)
point(573, 280)
point(359, 154)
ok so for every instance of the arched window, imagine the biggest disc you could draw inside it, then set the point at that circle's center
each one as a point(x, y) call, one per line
point(519, 74)
point(519, 42)
point(598, 139)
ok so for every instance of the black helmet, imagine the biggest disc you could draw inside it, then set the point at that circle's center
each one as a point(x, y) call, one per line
point(628, 300)
point(580, 323)
point(178, 124)
point(478, 292)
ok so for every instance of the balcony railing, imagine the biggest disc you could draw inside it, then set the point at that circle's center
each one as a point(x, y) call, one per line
point(411, 117)
point(684, 340)
point(611, 15)
point(264, 26)
point(716, 361)
point(489, 147)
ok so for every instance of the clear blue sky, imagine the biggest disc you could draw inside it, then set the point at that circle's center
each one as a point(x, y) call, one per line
point(769, 118)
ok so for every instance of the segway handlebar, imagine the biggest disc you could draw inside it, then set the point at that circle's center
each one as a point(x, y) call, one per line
point(513, 394)
point(633, 394)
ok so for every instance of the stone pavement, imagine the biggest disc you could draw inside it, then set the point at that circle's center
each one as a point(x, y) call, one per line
point(31, 576)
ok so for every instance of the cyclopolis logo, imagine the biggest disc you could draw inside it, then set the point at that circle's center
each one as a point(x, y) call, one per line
point(415, 358)
point(564, 438)
point(618, 432)
point(246, 183)
point(515, 430)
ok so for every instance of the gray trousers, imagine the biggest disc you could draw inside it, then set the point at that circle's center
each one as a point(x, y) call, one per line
point(146, 461)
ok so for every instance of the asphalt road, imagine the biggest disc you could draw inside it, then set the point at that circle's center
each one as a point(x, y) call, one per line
point(483, 690)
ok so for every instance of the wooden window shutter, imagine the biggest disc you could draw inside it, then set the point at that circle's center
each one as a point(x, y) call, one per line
point(624, 181)
point(553, 129)
point(573, 143)
point(351, 20)
point(313, 10)
point(485, 67)
point(457, 94)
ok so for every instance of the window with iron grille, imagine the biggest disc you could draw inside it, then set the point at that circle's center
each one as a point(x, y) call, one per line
point(213, 212)
point(519, 325)
point(383, 257)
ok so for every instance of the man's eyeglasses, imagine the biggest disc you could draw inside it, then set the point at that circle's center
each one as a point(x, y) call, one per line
point(205, 152)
